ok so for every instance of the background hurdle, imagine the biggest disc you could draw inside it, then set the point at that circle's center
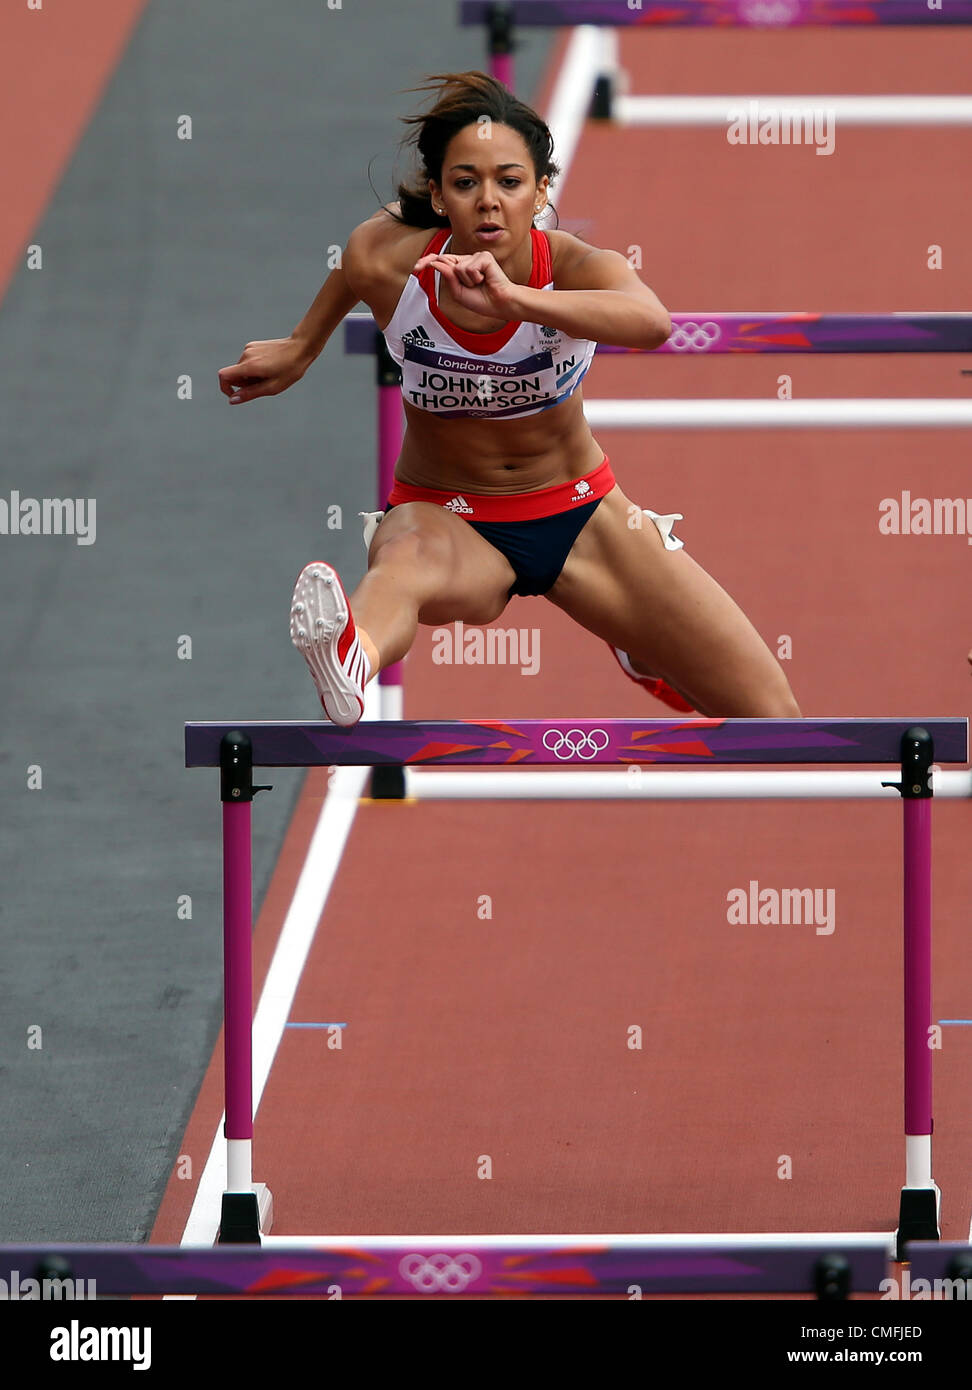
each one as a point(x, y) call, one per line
point(592, 80)
point(716, 332)
point(501, 17)
point(695, 334)
point(237, 749)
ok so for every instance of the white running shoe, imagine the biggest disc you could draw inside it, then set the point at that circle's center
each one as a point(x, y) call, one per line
point(323, 630)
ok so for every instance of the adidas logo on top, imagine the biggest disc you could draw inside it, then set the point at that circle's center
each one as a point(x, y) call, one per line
point(418, 335)
point(458, 504)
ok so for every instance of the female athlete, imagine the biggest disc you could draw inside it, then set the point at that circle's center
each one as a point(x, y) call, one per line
point(501, 488)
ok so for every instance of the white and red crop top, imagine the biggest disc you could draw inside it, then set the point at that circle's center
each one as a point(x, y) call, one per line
point(519, 370)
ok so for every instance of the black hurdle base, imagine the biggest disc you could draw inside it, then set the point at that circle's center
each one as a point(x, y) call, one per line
point(832, 1278)
point(960, 1267)
point(388, 782)
point(917, 1218)
point(239, 1220)
point(245, 1216)
point(602, 102)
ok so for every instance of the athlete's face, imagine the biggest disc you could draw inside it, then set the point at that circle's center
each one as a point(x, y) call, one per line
point(488, 178)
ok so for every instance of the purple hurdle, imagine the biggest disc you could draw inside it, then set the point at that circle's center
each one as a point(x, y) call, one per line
point(518, 746)
point(501, 17)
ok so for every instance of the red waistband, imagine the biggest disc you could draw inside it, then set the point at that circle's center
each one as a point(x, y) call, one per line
point(513, 506)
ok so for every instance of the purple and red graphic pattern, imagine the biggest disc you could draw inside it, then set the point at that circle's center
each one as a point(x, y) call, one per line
point(752, 14)
point(391, 1265)
point(772, 332)
point(577, 742)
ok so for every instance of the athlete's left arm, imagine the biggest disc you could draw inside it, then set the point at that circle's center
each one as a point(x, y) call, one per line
point(599, 297)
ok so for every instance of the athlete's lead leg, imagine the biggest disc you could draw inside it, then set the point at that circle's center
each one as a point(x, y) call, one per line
point(427, 566)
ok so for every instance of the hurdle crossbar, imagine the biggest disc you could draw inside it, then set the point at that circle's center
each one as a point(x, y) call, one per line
point(717, 332)
point(831, 1265)
point(596, 72)
point(579, 744)
point(767, 331)
point(680, 14)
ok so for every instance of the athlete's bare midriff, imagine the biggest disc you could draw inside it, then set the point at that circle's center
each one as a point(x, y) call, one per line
point(485, 456)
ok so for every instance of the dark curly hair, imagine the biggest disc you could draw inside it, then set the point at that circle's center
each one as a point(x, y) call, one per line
point(463, 97)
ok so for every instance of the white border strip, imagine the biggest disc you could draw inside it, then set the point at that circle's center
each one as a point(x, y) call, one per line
point(648, 784)
point(571, 98)
point(923, 413)
point(774, 1240)
point(799, 110)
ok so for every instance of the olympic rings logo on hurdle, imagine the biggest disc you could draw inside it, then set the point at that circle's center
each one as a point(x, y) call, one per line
point(694, 337)
point(440, 1273)
point(770, 12)
point(577, 743)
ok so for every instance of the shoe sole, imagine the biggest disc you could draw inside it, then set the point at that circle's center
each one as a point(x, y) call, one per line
point(319, 614)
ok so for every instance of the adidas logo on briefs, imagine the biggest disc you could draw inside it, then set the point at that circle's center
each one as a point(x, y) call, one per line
point(458, 504)
point(581, 489)
point(418, 335)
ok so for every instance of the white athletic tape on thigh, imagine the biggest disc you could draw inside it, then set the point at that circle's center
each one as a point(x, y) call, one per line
point(371, 521)
point(665, 524)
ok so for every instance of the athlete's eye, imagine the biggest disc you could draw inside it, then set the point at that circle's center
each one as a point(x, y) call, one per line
point(514, 182)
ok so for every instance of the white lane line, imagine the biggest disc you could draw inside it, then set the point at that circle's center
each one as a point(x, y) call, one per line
point(571, 97)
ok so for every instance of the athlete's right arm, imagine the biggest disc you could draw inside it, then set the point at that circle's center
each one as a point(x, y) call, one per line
point(267, 368)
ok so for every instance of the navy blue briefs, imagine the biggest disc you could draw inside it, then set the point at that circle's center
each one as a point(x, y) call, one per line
point(538, 549)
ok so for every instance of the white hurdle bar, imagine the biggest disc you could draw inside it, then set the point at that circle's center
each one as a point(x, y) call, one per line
point(802, 110)
point(773, 414)
point(720, 1241)
point(648, 784)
